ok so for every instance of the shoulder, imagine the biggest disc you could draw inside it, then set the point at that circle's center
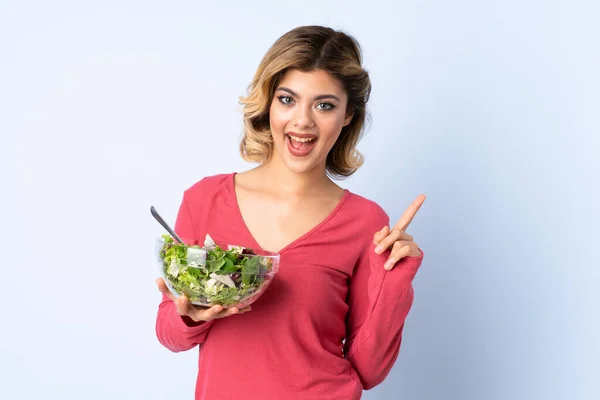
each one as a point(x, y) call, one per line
point(367, 212)
point(207, 186)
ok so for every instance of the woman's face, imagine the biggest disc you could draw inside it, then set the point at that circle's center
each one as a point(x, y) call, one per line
point(307, 114)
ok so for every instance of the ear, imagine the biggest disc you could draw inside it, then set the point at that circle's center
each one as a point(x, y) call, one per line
point(349, 116)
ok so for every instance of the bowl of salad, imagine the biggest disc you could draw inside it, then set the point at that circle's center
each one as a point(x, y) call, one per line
point(209, 275)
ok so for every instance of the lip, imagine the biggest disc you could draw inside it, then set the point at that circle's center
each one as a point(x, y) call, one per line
point(302, 135)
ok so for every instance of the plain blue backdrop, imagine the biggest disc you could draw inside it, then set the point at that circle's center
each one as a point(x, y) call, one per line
point(490, 108)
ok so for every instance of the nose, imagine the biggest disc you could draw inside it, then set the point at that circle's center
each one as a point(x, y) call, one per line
point(303, 117)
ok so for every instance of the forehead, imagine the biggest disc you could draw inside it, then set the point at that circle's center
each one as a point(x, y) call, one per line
point(312, 83)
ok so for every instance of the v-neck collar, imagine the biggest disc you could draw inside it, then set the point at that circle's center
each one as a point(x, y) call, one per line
point(238, 211)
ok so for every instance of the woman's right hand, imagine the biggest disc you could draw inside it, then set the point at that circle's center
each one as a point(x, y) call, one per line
point(197, 313)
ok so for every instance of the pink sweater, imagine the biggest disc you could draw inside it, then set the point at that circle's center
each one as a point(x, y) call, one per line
point(330, 286)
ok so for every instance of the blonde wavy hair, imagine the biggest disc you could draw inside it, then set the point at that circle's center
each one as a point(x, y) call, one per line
point(309, 48)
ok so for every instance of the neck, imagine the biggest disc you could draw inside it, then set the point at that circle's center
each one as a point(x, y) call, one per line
point(292, 183)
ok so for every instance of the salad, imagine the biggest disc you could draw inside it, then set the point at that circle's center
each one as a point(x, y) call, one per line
point(210, 275)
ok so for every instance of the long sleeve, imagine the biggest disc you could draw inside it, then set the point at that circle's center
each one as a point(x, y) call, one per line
point(379, 303)
point(172, 330)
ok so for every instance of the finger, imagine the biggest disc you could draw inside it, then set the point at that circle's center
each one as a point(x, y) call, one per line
point(410, 213)
point(243, 310)
point(379, 235)
point(162, 287)
point(182, 305)
point(232, 311)
point(401, 250)
point(213, 312)
point(404, 236)
point(394, 236)
point(198, 313)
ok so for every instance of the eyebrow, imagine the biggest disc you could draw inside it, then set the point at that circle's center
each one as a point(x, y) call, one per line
point(319, 97)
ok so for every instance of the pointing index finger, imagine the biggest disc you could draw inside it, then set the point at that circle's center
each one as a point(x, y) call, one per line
point(410, 213)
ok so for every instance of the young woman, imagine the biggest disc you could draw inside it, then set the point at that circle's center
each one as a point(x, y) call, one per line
point(331, 322)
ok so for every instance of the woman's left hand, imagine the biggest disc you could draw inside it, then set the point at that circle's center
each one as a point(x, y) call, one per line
point(401, 242)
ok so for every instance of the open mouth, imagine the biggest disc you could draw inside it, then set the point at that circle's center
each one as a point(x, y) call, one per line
point(300, 145)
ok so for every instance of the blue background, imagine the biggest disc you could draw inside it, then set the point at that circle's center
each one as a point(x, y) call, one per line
point(490, 108)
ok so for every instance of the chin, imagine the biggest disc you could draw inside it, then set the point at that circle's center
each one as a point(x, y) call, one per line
point(301, 166)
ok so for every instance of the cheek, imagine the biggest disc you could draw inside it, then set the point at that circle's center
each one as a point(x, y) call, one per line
point(277, 120)
point(332, 128)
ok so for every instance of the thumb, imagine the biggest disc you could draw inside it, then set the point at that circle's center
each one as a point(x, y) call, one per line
point(381, 234)
point(162, 287)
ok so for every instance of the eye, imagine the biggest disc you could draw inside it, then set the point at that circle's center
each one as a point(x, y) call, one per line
point(325, 106)
point(287, 100)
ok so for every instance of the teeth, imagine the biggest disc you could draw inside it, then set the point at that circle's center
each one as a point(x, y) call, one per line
point(301, 140)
